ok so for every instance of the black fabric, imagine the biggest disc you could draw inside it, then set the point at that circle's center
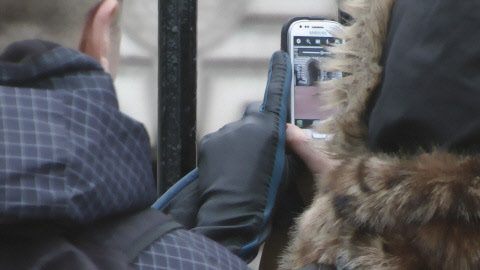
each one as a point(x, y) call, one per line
point(184, 207)
point(108, 244)
point(129, 234)
point(430, 95)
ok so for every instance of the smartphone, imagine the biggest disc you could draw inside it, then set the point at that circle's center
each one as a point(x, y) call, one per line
point(306, 40)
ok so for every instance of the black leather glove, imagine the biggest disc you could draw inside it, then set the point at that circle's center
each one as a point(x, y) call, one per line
point(241, 168)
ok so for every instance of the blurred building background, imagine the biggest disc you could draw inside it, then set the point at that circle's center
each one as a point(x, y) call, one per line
point(136, 81)
point(235, 42)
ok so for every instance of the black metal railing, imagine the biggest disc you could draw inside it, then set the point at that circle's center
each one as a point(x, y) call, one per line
point(177, 91)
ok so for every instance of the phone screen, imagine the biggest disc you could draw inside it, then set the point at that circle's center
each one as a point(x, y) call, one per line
point(307, 52)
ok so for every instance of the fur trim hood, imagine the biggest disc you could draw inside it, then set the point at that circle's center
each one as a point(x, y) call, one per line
point(384, 211)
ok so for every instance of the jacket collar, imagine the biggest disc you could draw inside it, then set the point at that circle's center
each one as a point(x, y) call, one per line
point(32, 59)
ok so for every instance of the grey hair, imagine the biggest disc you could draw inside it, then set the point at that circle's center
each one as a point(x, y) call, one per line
point(60, 21)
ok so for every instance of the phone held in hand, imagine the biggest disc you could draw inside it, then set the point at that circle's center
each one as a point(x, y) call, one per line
point(306, 40)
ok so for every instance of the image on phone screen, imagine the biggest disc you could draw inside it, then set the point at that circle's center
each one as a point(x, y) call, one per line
point(308, 53)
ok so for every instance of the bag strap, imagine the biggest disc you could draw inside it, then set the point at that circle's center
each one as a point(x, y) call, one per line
point(129, 234)
point(110, 244)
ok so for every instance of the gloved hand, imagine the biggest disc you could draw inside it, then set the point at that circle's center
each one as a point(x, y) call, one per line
point(241, 168)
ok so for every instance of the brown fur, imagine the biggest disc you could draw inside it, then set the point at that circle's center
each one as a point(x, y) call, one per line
point(379, 211)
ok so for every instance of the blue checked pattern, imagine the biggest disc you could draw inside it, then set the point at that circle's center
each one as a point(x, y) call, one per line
point(182, 250)
point(66, 151)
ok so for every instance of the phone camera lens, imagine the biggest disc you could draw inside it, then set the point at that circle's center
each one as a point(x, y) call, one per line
point(301, 26)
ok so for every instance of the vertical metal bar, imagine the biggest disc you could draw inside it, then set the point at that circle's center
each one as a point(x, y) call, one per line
point(177, 91)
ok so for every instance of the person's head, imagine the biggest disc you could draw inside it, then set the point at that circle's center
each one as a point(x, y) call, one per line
point(91, 26)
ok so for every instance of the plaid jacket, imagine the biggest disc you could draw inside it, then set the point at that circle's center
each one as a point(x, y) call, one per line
point(68, 154)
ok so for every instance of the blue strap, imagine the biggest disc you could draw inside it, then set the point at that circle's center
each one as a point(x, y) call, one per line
point(279, 162)
point(175, 189)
